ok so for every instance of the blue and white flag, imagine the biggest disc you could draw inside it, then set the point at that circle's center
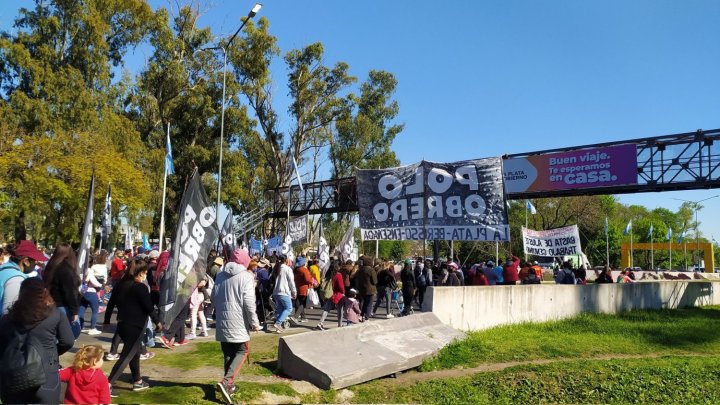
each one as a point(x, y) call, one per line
point(106, 222)
point(682, 236)
point(530, 207)
point(146, 244)
point(628, 228)
point(650, 231)
point(669, 234)
point(297, 173)
point(169, 166)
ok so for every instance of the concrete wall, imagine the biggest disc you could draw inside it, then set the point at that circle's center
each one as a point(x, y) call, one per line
point(475, 308)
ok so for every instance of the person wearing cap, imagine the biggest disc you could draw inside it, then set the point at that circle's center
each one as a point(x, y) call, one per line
point(489, 273)
point(510, 271)
point(23, 256)
point(303, 283)
point(216, 266)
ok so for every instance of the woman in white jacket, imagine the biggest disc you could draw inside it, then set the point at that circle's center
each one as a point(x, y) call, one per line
point(284, 291)
point(234, 300)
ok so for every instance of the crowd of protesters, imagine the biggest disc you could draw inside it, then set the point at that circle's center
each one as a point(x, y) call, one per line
point(47, 296)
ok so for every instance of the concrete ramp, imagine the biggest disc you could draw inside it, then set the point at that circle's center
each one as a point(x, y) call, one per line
point(341, 357)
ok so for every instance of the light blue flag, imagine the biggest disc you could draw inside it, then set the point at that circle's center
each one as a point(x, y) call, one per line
point(628, 228)
point(682, 236)
point(650, 231)
point(146, 244)
point(669, 234)
point(169, 166)
point(531, 207)
point(607, 226)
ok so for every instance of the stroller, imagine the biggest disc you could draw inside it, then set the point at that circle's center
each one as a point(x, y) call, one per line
point(397, 301)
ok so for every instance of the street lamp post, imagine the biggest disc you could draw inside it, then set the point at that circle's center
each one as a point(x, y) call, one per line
point(224, 49)
point(695, 205)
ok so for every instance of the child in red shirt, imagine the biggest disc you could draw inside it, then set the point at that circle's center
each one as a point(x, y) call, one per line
point(86, 382)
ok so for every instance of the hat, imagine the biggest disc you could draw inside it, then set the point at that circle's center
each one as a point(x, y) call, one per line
point(535, 263)
point(29, 250)
point(453, 265)
point(300, 261)
point(154, 254)
point(218, 260)
point(407, 261)
point(263, 262)
point(490, 263)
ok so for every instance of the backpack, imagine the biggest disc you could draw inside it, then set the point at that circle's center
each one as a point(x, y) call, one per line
point(531, 278)
point(567, 277)
point(326, 289)
point(22, 362)
point(421, 280)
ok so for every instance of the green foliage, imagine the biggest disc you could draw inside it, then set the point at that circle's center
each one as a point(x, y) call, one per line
point(388, 249)
point(681, 331)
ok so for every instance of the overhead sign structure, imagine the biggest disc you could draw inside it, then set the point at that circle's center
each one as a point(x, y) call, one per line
point(552, 242)
point(434, 201)
point(582, 168)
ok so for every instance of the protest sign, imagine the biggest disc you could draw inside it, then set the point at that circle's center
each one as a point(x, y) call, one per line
point(298, 229)
point(552, 242)
point(196, 233)
point(434, 201)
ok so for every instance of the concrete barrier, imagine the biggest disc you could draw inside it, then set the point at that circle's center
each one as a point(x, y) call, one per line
point(476, 308)
point(341, 357)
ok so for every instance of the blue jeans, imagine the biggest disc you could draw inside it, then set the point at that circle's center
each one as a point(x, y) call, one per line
point(89, 299)
point(283, 308)
point(75, 326)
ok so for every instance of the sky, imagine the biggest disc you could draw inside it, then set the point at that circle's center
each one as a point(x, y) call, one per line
point(485, 78)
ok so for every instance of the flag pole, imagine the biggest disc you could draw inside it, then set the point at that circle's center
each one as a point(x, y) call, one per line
point(652, 253)
point(526, 226)
point(671, 249)
point(631, 249)
point(162, 211)
point(607, 244)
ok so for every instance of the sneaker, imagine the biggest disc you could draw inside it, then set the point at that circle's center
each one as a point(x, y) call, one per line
point(93, 332)
point(190, 336)
point(203, 334)
point(303, 320)
point(389, 316)
point(84, 330)
point(111, 357)
point(166, 342)
point(147, 356)
point(140, 386)
point(227, 391)
point(320, 327)
point(183, 343)
point(279, 328)
point(113, 394)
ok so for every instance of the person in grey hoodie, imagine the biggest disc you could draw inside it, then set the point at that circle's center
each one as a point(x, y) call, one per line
point(234, 300)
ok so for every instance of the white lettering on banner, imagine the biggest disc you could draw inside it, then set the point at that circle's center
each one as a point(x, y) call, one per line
point(553, 242)
point(471, 232)
point(191, 241)
point(439, 181)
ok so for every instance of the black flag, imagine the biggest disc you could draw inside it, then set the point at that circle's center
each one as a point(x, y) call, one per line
point(106, 222)
point(87, 232)
point(196, 232)
point(227, 236)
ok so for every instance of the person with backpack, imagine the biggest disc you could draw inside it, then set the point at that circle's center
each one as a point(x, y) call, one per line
point(335, 300)
point(41, 330)
point(385, 286)
point(421, 280)
point(565, 275)
point(21, 260)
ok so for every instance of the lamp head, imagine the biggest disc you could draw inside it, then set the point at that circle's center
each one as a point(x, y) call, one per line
point(254, 10)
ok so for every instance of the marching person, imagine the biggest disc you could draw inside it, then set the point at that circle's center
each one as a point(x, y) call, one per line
point(284, 292)
point(234, 299)
point(35, 313)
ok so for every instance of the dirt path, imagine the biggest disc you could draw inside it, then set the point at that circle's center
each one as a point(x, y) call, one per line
point(416, 376)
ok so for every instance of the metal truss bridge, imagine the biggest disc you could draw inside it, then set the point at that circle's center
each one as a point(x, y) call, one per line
point(684, 161)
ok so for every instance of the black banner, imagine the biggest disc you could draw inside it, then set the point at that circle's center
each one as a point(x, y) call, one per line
point(298, 229)
point(434, 201)
point(227, 237)
point(196, 233)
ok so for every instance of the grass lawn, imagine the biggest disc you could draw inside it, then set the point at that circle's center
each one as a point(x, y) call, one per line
point(681, 331)
point(681, 366)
